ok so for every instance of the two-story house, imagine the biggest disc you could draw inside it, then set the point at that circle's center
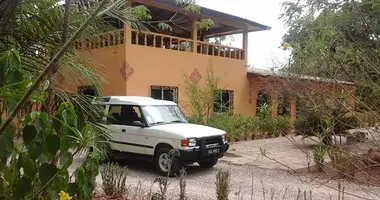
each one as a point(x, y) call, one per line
point(154, 63)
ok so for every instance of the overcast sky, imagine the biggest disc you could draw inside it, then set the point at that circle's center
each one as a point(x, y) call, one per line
point(263, 46)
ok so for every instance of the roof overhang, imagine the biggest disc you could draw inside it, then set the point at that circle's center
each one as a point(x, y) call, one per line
point(231, 24)
point(292, 76)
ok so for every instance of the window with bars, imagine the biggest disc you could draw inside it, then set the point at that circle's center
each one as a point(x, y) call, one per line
point(224, 102)
point(164, 93)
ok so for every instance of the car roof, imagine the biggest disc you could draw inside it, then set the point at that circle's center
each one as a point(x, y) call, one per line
point(132, 100)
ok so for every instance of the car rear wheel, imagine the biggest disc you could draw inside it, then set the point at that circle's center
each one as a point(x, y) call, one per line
point(208, 163)
point(165, 164)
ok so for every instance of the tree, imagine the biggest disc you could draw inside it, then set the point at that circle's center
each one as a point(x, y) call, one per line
point(337, 40)
point(35, 43)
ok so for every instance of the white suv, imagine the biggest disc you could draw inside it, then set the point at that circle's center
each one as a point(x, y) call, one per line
point(149, 128)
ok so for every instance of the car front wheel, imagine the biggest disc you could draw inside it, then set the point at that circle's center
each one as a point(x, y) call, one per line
point(165, 164)
point(208, 163)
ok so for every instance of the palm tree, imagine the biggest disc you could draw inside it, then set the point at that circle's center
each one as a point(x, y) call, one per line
point(37, 29)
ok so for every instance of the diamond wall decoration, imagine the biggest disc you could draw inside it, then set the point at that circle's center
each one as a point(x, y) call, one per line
point(126, 71)
point(196, 76)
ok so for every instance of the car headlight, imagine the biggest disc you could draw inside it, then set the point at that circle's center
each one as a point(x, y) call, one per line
point(224, 138)
point(192, 142)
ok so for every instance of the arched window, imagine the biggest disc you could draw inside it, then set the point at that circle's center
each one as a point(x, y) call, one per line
point(263, 98)
point(283, 104)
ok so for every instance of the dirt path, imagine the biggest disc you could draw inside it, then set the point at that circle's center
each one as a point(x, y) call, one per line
point(201, 183)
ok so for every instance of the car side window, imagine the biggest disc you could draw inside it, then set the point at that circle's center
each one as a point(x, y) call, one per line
point(124, 115)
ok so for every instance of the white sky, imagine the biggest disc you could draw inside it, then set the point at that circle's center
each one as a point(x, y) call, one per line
point(263, 49)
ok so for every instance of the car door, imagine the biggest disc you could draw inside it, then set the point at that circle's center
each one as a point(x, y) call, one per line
point(127, 132)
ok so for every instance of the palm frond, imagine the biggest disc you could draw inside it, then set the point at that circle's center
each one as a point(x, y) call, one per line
point(91, 114)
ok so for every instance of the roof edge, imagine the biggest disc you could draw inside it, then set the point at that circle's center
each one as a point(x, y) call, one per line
point(264, 72)
point(211, 12)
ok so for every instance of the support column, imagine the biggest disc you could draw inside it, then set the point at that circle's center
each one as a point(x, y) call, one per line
point(274, 104)
point(245, 44)
point(275, 108)
point(254, 104)
point(293, 109)
point(194, 35)
point(128, 28)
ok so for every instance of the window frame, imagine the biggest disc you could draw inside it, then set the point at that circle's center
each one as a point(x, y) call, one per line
point(175, 90)
point(138, 107)
point(231, 96)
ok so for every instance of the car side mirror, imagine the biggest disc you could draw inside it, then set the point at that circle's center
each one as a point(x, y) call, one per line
point(138, 123)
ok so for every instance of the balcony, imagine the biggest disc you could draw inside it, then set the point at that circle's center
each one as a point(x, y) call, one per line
point(157, 40)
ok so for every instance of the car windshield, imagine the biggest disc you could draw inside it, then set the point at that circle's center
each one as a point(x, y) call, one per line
point(156, 115)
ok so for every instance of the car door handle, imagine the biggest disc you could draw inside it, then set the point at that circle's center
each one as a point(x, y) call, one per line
point(123, 130)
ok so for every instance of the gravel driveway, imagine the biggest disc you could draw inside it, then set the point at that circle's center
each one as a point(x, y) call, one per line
point(201, 183)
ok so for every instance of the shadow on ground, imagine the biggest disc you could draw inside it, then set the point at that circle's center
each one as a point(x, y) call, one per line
point(137, 167)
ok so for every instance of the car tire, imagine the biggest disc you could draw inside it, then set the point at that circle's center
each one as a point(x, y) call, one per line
point(161, 160)
point(208, 163)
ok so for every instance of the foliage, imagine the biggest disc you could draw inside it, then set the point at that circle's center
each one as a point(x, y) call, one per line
point(310, 124)
point(45, 156)
point(276, 127)
point(337, 39)
point(369, 118)
point(223, 184)
point(114, 179)
point(339, 157)
point(202, 99)
point(243, 128)
point(319, 153)
point(264, 111)
point(182, 184)
point(32, 36)
point(324, 119)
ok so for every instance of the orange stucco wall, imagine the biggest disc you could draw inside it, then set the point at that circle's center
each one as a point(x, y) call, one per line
point(155, 66)
point(107, 62)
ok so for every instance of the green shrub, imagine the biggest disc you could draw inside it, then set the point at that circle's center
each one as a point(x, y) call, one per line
point(319, 153)
point(264, 111)
point(113, 180)
point(309, 125)
point(345, 123)
point(369, 117)
point(38, 168)
point(282, 125)
point(340, 158)
point(275, 127)
point(237, 127)
point(223, 184)
point(240, 127)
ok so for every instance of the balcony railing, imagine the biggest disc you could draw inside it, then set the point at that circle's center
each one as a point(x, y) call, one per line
point(107, 39)
point(161, 41)
point(220, 50)
point(156, 40)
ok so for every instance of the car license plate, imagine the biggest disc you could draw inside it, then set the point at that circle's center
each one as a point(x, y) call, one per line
point(213, 151)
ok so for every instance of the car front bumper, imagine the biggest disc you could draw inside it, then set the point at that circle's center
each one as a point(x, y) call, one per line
point(202, 154)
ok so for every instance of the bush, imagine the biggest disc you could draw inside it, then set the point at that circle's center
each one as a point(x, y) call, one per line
point(371, 118)
point(319, 153)
point(344, 123)
point(282, 125)
point(243, 128)
point(223, 185)
point(309, 125)
point(114, 179)
point(340, 158)
point(237, 127)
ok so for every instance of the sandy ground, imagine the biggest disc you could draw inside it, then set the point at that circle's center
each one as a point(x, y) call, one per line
point(246, 182)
